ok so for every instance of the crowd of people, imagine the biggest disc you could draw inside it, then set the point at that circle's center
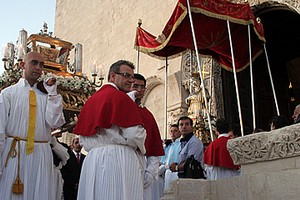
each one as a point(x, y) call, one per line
point(126, 159)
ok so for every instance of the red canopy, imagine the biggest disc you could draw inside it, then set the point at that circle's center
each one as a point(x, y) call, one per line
point(209, 19)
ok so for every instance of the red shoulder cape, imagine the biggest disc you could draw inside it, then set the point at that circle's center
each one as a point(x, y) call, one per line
point(106, 107)
point(153, 143)
point(217, 154)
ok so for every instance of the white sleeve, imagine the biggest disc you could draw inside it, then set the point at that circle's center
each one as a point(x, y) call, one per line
point(54, 111)
point(60, 150)
point(88, 142)
point(4, 107)
point(4, 110)
point(2, 142)
point(151, 172)
point(162, 169)
point(135, 137)
point(132, 95)
point(0, 165)
point(152, 166)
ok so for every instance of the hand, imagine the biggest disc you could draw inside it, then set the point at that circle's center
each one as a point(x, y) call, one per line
point(173, 167)
point(50, 85)
point(51, 81)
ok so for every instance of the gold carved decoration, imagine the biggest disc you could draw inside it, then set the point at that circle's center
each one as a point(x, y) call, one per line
point(73, 100)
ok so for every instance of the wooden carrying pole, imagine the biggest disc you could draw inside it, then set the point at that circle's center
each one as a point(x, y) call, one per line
point(235, 79)
point(166, 101)
point(271, 79)
point(251, 79)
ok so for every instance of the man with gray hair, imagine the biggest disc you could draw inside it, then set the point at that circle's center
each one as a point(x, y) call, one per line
point(112, 131)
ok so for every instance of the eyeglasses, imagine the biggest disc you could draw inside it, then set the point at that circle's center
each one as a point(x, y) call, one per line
point(126, 75)
point(137, 86)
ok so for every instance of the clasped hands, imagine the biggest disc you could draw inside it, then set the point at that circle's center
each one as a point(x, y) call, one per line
point(173, 167)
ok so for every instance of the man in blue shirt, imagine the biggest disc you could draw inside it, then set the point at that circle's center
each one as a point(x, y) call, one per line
point(190, 144)
point(171, 156)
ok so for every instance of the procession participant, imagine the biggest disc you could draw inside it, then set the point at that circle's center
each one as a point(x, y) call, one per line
point(172, 156)
point(278, 121)
point(217, 159)
point(190, 144)
point(60, 158)
point(27, 116)
point(153, 144)
point(71, 171)
point(111, 130)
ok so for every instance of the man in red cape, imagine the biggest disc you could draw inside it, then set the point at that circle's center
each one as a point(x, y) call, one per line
point(217, 159)
point(153, 143)
point(111, 130)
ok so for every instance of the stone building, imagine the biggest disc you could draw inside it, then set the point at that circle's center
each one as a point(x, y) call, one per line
point(269, 160)
point(107, 30)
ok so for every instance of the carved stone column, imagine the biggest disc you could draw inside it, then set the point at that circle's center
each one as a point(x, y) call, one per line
point(175, 114)
point(213, 84)
point(217, 103)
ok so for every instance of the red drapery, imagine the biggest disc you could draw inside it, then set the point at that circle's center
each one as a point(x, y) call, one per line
point(209, 18)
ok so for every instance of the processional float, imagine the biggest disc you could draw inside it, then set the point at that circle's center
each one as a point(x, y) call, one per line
point(229, 32)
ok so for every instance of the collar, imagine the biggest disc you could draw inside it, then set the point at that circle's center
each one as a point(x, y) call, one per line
point(187, 138)
point(24, 83)
point(76, 153)
point(223, 135)
point(112, 84)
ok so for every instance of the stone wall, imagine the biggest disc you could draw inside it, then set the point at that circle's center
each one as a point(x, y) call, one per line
point(106, 29)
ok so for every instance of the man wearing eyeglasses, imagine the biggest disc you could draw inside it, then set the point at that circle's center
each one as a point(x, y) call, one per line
point(113, 133)
point(153, 143)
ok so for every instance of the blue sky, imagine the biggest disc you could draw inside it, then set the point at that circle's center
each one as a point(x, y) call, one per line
point(30, 15)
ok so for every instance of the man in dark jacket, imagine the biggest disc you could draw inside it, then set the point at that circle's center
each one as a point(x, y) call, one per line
point(71, 171)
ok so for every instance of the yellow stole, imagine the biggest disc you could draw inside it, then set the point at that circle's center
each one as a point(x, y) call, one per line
point(31, 122)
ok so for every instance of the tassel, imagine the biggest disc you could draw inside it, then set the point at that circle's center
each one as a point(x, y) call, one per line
point(18, 186)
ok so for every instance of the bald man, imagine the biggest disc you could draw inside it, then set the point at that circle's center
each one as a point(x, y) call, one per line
point(27, 116)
